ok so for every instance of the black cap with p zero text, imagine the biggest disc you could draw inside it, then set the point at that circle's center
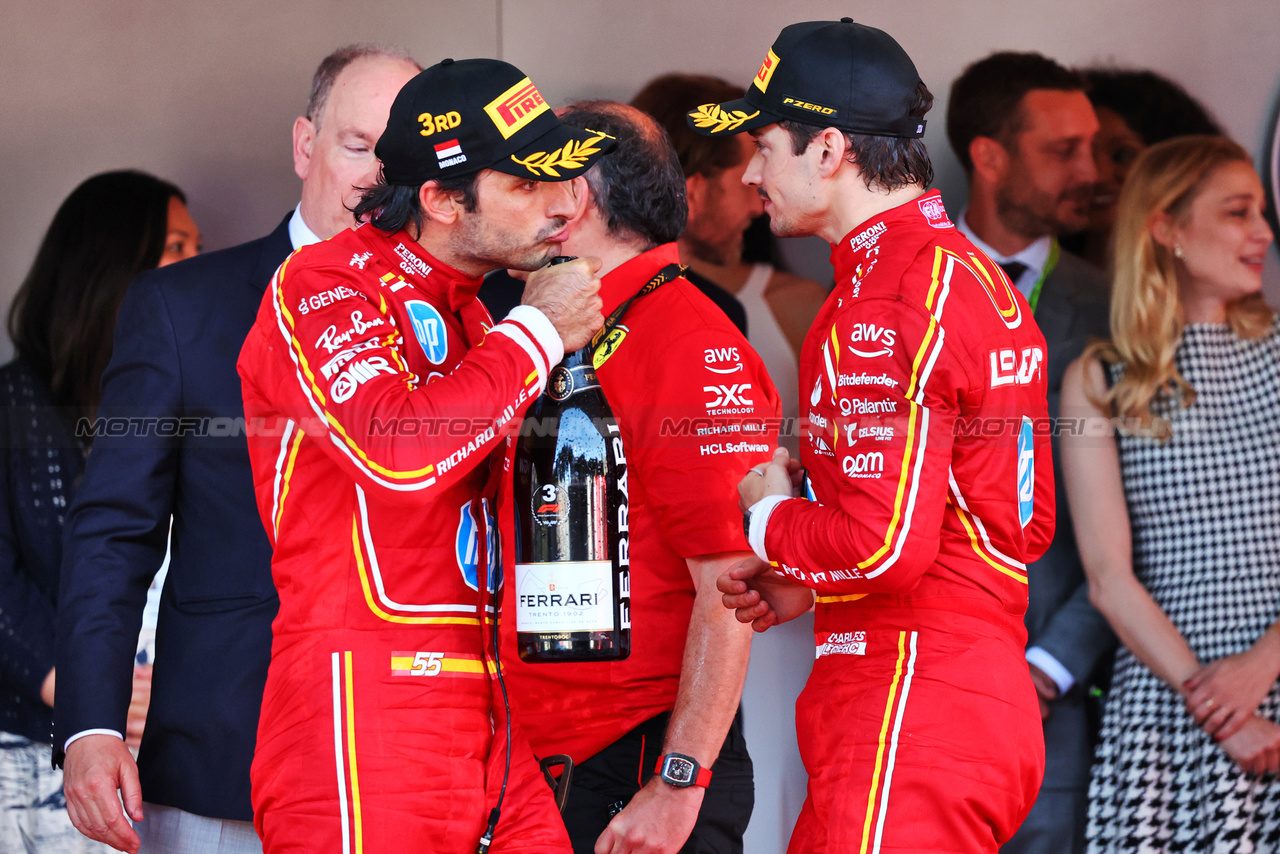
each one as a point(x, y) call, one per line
point(456, 118)
point(830, 73)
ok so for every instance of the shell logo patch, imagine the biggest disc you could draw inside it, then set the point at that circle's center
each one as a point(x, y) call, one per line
point(516, 107)
point(765, 74)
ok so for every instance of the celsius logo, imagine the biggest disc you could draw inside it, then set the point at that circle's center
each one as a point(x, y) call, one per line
point(869, 336)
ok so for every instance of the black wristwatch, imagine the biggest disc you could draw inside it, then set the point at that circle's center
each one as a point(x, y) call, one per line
point(680, 771)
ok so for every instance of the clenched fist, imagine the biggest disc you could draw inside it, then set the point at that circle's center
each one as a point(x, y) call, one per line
point(569, 295)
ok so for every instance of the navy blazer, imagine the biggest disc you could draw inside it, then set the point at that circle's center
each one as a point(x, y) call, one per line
point(168, 444)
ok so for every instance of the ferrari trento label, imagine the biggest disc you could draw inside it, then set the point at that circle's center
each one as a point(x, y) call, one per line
point(516, 107)
point(564, 596)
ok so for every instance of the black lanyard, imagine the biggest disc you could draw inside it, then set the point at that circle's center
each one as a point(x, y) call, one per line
point(666, 274)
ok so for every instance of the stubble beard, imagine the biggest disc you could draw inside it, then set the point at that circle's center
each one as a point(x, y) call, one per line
point(475, 237)
point(1033, 214)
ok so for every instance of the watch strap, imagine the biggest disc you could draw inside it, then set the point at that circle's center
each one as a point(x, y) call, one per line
point(702, 779)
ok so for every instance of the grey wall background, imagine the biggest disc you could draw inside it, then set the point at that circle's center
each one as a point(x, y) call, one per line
point(204, 94)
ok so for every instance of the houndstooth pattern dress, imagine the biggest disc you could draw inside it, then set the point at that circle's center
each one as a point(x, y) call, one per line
point(1204, 509)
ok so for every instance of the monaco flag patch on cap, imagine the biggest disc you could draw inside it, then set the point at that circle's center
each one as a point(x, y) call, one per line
point(449, 153)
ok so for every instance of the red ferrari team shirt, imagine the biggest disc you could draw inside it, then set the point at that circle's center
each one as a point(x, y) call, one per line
point(927, 438)
point(696, 409)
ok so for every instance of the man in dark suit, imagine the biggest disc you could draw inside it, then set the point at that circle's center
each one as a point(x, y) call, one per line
point(1023, 129)
point(170, 444)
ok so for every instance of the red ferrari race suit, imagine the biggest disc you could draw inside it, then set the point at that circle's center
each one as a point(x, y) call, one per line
point(380, 397)
point(696, 409)
point(927, 449)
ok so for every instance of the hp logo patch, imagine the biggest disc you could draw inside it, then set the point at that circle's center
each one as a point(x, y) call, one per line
point(467, 546)
point(429, 328)
point(1026, 472)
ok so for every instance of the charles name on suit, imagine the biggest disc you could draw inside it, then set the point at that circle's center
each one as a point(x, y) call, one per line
point(178, 335)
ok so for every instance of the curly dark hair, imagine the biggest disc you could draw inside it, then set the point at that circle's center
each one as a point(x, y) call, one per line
point(1155, 107)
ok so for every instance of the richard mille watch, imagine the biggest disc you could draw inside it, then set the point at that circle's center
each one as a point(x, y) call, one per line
point(676, 769)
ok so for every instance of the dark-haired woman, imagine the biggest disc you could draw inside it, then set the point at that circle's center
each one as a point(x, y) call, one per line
point(1136, 109)
point(112, 227)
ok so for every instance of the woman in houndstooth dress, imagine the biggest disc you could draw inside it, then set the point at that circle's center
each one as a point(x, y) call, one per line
point(1178, 511)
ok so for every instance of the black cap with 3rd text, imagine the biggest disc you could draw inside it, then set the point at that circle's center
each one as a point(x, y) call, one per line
point(456, 118)
point(828, 73)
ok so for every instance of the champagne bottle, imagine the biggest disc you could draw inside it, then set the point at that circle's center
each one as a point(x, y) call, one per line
point(573, 579)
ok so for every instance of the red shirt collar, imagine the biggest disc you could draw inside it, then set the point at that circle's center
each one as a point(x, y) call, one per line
point(926, 211)
point(632, 275)
point(427, 274)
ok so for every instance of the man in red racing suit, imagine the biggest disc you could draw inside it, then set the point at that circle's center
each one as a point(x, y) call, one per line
point(931, 486)
point(381, 394)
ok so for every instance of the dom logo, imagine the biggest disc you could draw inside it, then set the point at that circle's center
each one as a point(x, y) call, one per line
point(428, 328)
point(1026, 472)
point(864, 465)
point(516, 107)
point(467, 546)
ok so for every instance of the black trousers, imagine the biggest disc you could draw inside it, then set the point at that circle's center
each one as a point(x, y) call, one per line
point(606, 782)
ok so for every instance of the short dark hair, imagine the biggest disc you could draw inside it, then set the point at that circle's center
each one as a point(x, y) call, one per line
point(886, 162)
point(669, 98)
point(111, 228)
point(391, 207)
point(333, 64)
point(1155, 107)
point(639, 187)
point(986, 98)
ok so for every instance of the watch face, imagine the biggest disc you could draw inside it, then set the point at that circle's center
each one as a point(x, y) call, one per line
point(679, 770)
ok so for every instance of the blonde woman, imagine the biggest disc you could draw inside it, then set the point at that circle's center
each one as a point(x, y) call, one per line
point(1172, 470)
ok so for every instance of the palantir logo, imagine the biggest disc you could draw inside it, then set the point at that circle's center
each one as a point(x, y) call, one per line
point(467, 546)
point(1026, 472)
point(428, 327)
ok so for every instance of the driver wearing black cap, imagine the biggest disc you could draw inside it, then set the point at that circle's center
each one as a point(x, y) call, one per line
point(930, 485)
point(382, 395)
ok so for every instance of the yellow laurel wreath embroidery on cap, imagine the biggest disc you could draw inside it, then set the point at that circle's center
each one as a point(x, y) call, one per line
point(711, 114)
point(574, 155)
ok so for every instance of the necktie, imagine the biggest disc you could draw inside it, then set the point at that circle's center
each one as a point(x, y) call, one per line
point(1014, 269)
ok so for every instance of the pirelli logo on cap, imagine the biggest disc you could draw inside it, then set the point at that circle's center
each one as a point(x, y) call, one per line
point(765, 74)
point(807, 105)
point(516, 107)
